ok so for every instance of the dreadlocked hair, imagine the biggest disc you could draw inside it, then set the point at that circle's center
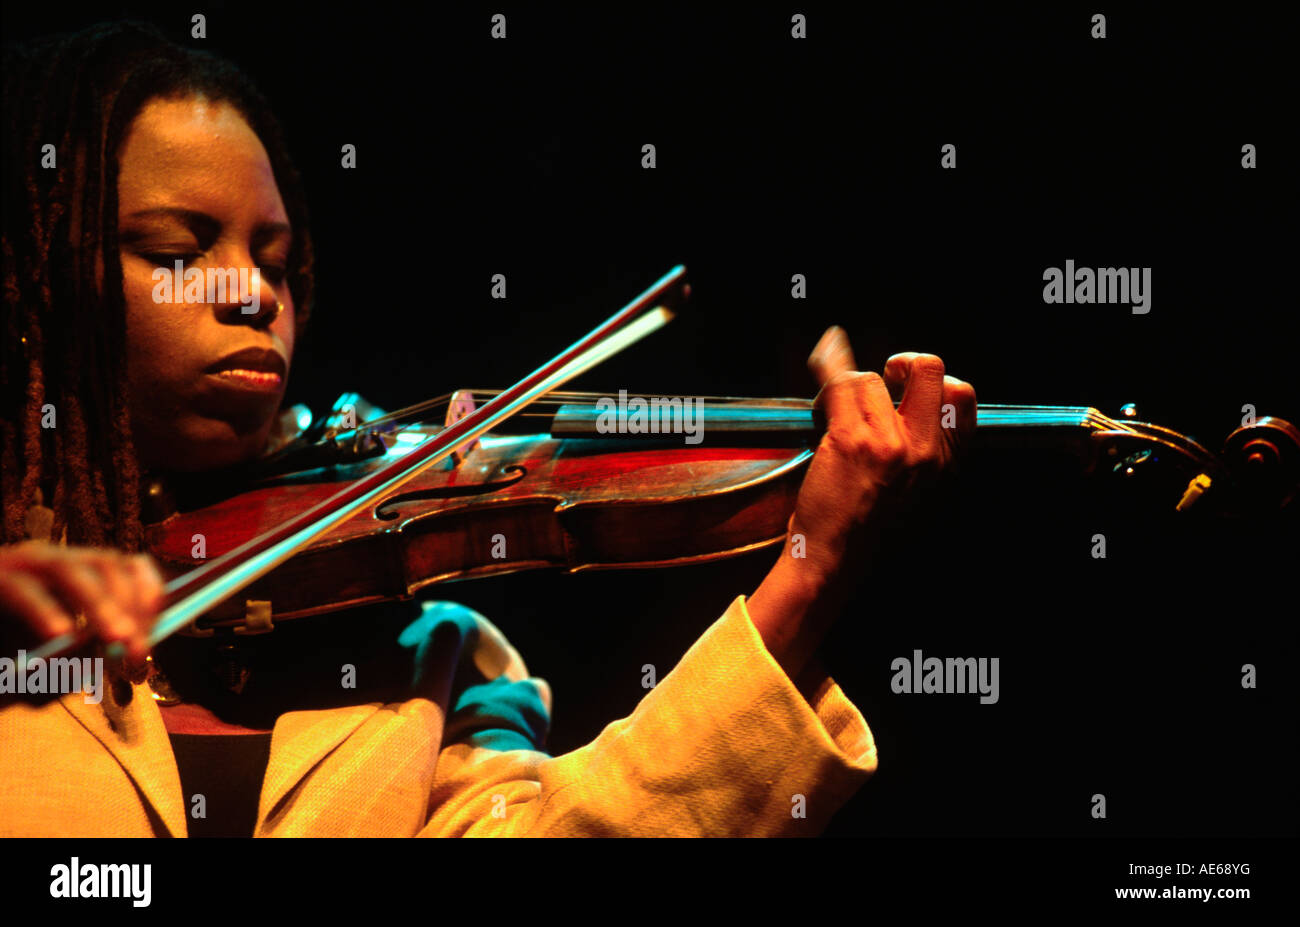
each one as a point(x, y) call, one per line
point(64, 343)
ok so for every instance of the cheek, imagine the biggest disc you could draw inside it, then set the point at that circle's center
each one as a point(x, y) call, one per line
point(154, 332)
point(286, 329)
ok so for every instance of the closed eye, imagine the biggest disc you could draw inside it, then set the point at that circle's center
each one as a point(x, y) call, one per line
point(167, 260)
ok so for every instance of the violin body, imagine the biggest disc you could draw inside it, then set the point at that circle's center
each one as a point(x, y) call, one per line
point(511, 503)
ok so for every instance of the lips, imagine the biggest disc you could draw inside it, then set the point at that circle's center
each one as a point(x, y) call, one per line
point(262, 359)
point(259, 369)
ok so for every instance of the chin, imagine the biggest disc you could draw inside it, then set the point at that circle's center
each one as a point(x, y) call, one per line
point(206, 444)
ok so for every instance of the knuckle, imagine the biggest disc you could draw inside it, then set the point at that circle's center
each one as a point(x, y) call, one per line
point(111, 621)
point(846, 438)
point(873, 448)
point(106, 568)
point(845, 379)
point(82, 573)
point(959, 389)
point(124, 568)
point(929, 364)
point(892, 453)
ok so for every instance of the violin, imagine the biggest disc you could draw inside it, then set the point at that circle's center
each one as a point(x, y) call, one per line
point(480, 482)
point(560, 492)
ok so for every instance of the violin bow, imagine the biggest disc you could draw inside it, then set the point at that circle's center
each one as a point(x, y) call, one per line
point(192, 594)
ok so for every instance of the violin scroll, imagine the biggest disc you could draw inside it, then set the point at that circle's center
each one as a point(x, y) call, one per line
point(1257, 472)
point(1265, 459)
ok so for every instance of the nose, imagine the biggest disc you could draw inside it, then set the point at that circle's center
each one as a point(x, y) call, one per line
point(248, 299)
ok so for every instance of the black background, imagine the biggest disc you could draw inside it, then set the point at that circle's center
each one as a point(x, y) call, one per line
point(1119, 676)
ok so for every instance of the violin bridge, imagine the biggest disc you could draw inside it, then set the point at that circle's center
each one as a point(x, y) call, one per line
point(461, 405)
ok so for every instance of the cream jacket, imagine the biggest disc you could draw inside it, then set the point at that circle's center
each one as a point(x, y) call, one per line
point(724, 745)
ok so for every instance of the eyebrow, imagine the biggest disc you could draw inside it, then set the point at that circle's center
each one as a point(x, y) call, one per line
point(196, 219)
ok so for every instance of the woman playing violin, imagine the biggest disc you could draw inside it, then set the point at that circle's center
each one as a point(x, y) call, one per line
point(161, 154)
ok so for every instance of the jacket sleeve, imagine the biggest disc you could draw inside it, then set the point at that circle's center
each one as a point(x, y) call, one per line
point(724, 745)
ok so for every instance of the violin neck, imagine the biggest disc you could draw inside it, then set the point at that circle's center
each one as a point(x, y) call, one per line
point(784, 419)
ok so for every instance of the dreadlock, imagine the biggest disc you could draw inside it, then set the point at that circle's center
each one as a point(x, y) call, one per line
point(64, 344)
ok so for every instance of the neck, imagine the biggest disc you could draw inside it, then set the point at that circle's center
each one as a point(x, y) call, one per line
point(190, 718)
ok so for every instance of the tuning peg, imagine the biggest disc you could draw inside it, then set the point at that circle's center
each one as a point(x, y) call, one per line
point(1128, 410)
point(1195, 489)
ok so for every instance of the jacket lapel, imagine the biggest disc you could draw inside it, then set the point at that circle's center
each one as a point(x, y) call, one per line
point(133, 732)
point(300, 740)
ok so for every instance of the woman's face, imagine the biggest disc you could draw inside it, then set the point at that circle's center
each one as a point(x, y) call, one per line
point(195, 185)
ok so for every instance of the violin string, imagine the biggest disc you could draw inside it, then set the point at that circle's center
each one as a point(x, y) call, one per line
point(553, 401)
point(547, 406)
